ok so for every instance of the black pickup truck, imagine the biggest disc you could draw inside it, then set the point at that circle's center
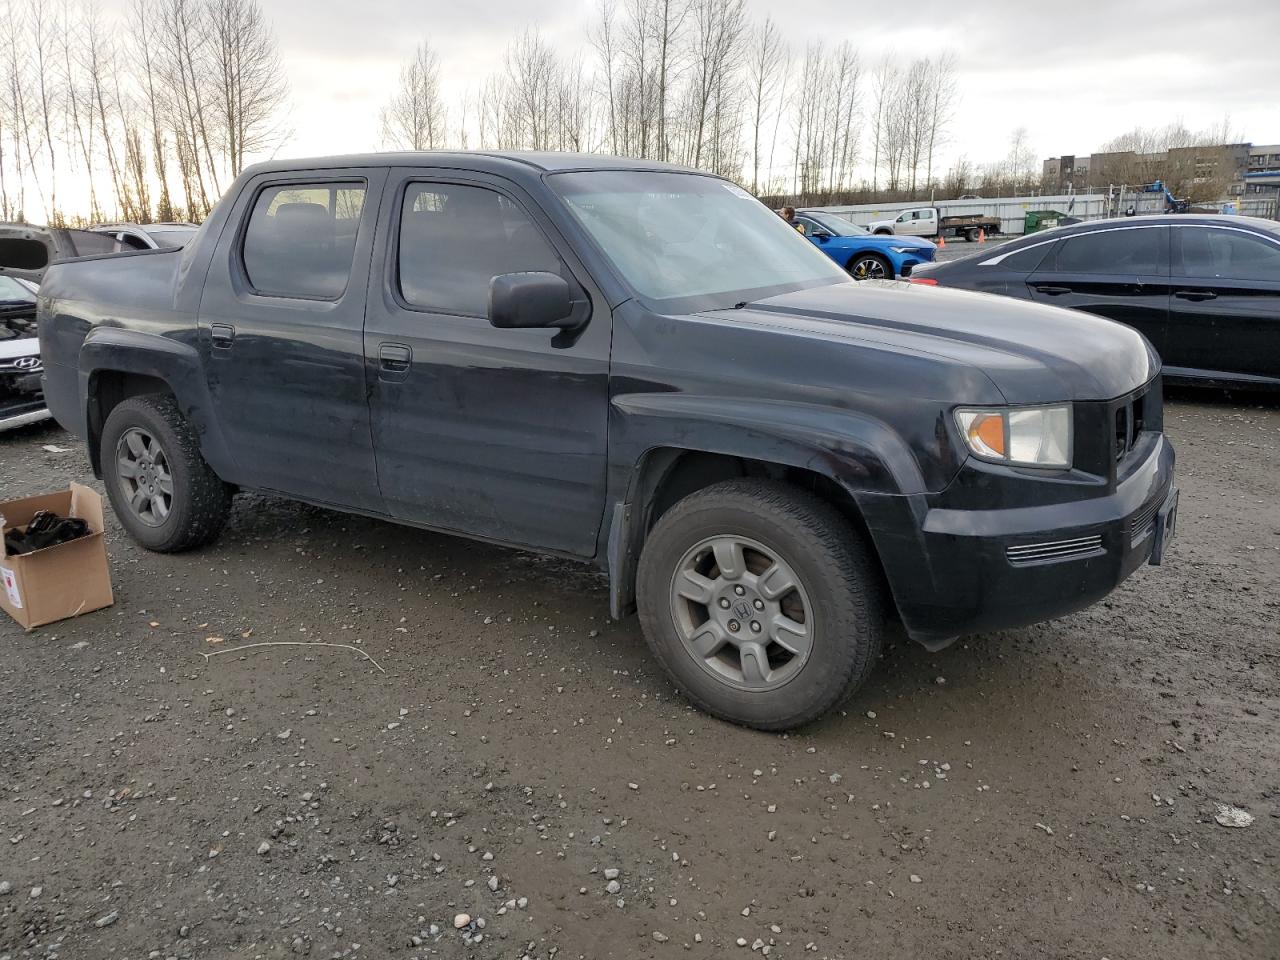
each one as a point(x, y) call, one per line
point(631, 364)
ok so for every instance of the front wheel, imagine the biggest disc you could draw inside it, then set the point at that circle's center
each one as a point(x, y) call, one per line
point(761, 602)
point(163, 493)
point(870, 266)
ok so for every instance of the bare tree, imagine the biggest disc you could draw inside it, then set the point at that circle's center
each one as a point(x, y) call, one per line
point(1020, 164)
point(845, 71)
point(766, 64)
point(667, 18)
point(942, 100)
point(414, 118)
point(17, 110)
point(100, 69)
point(250, 86)
point(885, 92)
point(146, 57)
point(718, 32)
point(44, 28)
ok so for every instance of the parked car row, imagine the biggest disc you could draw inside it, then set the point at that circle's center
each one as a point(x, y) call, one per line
point(1204, 290)
point(25, 253)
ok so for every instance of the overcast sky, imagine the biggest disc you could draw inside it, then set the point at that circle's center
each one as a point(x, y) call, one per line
point(1074, 74)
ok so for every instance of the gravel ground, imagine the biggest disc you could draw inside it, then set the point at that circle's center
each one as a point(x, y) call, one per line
point(513, 755)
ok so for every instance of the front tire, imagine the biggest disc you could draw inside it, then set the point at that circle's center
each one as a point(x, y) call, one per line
point(163, 493)
point(870, 266)
point(761, 602)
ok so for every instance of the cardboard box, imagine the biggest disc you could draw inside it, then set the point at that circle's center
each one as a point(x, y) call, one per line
point(61, 581)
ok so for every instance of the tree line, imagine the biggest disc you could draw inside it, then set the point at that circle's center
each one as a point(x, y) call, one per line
point(157, 111)
point(699, 83)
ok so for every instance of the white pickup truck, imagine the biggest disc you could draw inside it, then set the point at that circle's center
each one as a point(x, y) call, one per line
point(929, 222)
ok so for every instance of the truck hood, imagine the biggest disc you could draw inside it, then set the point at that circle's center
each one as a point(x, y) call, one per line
point(1031, 352)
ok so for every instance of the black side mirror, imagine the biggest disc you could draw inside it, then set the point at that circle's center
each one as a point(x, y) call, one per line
point(821, 236)
point(518, 300)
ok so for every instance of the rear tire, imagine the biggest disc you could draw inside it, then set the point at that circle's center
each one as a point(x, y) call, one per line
point(163, 493)
point(971, 234)
point(802, 571)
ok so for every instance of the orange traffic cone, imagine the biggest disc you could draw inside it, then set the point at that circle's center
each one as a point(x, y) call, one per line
point(982, 235)
point(942, 241)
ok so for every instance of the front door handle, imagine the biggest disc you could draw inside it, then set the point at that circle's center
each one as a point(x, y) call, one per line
point(394, 361)
point(222, 334)
point(1052, 291)
point(1195, 296)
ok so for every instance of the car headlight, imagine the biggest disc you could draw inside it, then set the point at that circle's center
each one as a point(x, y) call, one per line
point(1028, 436)
point(903, 249)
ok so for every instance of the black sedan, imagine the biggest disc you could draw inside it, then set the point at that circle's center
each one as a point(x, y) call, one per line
point(1204, 290)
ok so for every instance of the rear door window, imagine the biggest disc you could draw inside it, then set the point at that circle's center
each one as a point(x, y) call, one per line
point(301, 238)
point(1227, 255)
point(1114, 252)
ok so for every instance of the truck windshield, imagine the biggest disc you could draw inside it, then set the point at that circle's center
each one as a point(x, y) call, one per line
point(691, 242)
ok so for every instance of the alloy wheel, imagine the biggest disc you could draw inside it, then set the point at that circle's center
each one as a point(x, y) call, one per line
point(868, 268)
point(742, 612)
point(145, 476)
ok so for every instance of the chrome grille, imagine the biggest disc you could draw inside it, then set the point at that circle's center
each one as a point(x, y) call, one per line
point(1053, 551)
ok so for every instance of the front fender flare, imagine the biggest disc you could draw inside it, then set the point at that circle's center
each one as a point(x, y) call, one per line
point(865, 456)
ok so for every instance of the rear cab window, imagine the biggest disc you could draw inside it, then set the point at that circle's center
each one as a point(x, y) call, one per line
point(301, 237)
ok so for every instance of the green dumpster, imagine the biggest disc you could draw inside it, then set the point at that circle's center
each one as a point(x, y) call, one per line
point(1037, 220)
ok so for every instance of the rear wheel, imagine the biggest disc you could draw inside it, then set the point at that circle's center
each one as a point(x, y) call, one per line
point(971, 234)
point(762, 603)
point(162, 491)
point(870, 266)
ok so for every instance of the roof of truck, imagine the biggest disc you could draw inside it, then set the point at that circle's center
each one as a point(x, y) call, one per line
point(541, 161)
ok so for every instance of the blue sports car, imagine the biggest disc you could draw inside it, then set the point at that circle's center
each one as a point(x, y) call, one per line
point(865, 255)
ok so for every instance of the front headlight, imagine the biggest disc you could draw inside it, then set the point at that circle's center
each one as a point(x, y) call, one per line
point(903, 249)
point(1028, 436)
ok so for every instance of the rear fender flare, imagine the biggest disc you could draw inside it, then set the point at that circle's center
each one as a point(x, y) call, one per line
point(177, 364)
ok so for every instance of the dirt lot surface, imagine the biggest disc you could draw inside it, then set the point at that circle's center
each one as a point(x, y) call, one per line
point(1043, 793)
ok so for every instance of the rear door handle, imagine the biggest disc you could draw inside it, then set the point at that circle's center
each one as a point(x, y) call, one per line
point(1052, 291)
point(222, 335)
point(1195, 296)
point(394, 361)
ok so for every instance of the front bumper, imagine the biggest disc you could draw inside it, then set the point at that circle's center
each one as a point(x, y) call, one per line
point(975, 571)
point(21, 400)
point(905, 263)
